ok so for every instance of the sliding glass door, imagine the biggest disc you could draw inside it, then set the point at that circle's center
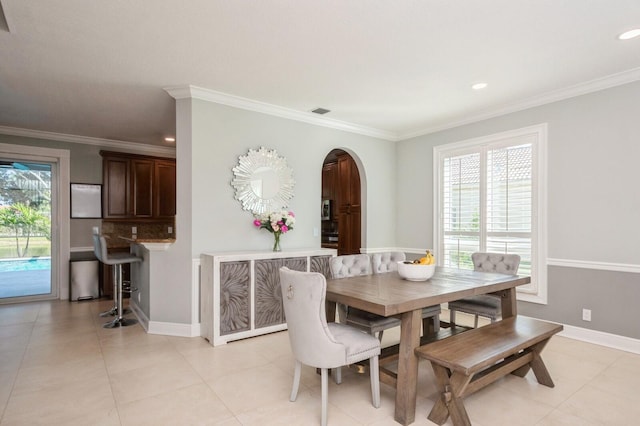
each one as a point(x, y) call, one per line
point(26, 201)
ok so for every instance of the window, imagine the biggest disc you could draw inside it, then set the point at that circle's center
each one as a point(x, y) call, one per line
point(489, 199)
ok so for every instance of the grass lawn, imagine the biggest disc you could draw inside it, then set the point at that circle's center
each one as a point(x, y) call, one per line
point(38, 246)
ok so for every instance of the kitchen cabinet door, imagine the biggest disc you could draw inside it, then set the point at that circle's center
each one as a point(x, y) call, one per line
point(115, 188)
point(165, 188)
point(142, 187)
point(350, 209)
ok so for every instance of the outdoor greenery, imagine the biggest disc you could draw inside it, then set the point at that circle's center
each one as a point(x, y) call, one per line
point(38, 246)
point(25, 210)
point(22, 222)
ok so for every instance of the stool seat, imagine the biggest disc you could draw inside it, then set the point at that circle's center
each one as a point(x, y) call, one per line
point(116, 260)
point(121, 258)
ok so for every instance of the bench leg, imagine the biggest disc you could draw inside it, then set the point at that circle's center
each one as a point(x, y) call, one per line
point(537, 365)
point(450, 401)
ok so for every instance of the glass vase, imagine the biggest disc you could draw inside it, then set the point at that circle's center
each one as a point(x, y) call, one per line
point(276, 241)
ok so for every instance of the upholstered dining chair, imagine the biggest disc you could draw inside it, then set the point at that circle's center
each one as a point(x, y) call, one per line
point(486, 305)
point(352, 265)
point(388, 262)
point(319, 344)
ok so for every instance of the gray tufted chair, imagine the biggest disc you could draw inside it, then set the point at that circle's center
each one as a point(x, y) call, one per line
point(386, 262)
point(319, 344)
point(486, 305)
point(350, 265)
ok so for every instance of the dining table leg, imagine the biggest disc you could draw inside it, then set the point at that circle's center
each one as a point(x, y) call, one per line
point(407, 383)
point(509, 303)
point(330, 310)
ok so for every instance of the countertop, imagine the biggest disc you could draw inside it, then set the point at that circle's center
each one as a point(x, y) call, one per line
point(152, 244)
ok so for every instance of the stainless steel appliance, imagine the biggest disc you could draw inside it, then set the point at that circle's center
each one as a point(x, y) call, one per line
point(326, 210)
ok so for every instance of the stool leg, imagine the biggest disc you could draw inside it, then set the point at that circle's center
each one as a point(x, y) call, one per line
point(119, 321)
point(113, 311)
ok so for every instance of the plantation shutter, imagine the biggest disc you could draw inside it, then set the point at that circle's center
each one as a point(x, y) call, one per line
point(461, 209)
point(487, 203)
point(509, 202)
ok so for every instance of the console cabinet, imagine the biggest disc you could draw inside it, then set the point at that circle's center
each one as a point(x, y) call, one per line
point(240, 293)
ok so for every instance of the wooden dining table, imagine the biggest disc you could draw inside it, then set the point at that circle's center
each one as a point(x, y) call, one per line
point(390, 295)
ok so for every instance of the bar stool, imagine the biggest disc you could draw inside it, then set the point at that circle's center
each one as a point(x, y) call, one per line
point(116, 260)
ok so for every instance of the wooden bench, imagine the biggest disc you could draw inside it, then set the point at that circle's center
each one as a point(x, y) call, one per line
point(469, 361)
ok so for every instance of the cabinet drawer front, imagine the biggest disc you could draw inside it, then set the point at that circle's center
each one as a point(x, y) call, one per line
point(235, 304)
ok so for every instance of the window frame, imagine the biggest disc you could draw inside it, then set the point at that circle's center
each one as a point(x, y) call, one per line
point(538, 134)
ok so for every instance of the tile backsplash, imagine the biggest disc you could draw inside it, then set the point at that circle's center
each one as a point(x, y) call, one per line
point(144, 230)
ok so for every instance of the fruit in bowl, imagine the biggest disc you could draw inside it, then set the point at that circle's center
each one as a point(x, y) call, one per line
point(418, 270)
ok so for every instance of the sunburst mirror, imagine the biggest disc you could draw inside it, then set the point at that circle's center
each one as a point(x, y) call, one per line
point(263, 181)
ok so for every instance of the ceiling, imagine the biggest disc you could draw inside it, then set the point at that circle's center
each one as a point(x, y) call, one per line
point(98, 69)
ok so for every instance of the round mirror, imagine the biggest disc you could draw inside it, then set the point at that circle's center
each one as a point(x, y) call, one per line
point(263, 181)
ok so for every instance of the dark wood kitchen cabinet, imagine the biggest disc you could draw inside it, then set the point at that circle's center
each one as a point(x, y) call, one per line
point(165, 188)
point(329, 187)
point(137, 186)
point(349, 207)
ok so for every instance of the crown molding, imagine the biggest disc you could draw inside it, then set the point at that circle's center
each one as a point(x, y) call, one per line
point(596, 85)
point(188, 91)
point(87, 140)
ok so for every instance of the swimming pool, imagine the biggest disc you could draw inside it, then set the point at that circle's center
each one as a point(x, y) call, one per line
point(31, 264)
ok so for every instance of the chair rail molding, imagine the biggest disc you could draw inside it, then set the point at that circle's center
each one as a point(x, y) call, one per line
point(591, 264)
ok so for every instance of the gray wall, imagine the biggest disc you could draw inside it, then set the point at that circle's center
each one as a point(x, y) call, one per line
point(221, 134)
point(211, 137)
point(593, 201)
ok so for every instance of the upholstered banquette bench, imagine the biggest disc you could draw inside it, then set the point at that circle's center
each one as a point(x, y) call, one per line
point(469, 361)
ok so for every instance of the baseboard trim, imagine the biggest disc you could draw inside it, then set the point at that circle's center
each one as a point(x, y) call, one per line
point(174, 329)
point(164, 328)
point(142, 318)
point(601, 338)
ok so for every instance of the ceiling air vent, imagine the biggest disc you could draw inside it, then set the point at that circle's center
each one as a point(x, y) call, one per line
point(321, 111)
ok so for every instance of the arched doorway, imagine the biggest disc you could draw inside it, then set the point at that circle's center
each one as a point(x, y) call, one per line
point(341, 203)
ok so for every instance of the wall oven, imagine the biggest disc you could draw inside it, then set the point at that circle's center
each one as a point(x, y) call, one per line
point(325, 213)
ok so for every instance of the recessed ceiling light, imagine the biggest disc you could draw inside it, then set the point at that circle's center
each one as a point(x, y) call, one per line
point(169, 139)
point(629, 34)
point(479, 86)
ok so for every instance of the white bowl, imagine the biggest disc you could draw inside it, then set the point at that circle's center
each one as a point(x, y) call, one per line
point(415, 272)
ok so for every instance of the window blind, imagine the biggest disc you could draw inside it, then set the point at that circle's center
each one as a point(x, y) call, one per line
point(487, 203)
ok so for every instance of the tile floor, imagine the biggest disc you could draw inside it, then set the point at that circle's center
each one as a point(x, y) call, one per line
point(58, 366)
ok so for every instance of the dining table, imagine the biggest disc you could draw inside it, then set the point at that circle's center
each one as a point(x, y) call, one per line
point(388, 294)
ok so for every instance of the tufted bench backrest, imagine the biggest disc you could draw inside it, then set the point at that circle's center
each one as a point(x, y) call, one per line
point(350, 265)
point(386, 262)
point(496, 262)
